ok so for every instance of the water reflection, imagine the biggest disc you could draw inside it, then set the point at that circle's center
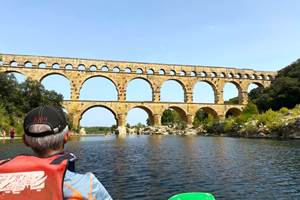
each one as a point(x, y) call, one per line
point(156, 167)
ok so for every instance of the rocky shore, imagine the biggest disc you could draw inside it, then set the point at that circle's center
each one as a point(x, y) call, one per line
point(289, 129)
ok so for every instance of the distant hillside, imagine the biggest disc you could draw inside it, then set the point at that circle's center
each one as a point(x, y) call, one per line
point(283, 92)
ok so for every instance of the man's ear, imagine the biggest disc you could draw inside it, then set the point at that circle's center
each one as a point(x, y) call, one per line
point(24, 140)
point(66, 137)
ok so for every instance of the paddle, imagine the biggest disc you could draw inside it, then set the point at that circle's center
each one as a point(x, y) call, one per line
point(193, 196)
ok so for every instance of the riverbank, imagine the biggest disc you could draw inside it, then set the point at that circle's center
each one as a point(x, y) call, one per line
point(284, 124)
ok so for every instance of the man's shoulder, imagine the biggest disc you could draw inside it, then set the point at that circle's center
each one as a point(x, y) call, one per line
point(84, 186)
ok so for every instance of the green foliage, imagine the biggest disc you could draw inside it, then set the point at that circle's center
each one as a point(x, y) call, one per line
point(284, 91)
point(234, 100)
point(203, 118)
point(284, 110)
point(170, 117)
point(17, 99)
point(97, 130)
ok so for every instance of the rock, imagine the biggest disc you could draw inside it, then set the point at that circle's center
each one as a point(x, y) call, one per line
point(82, 131)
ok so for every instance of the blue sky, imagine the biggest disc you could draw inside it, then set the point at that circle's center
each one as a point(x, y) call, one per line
point(257, 34)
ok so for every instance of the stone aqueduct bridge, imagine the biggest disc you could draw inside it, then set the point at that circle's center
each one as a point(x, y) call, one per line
point(77, 71)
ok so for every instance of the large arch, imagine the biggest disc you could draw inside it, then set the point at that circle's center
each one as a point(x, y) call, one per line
point(145, 109)
point(232, 112)
point(20, 77)
point(53, 73)
point(168, 88)
point(92, 83)
point(58, 83)
point(232, 92)
point(254, 85)
point(204, 92)
point(139, 84)
point(96, 117)
point(182, 113)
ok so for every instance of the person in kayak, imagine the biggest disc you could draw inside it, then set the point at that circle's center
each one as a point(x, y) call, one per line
point(48, 174)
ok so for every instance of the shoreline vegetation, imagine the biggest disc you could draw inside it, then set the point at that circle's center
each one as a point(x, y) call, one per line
point(272, 112)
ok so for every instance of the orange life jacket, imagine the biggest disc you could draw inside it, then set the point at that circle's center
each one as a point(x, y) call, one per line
point(34, 178)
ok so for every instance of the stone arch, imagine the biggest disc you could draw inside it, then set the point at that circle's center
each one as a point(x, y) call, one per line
point(13, 63)
point(180, 83)
point(238, 87)
point(150, 71)
point(81, 67)
point(140, 78)
point(68, 66)
point(172, 72)
point(232, 112)
point(212, 86)
point(101, 76)
point(93, 68)
point(193, 74)
point(127, 70)
point(253, 85)
point(55, 66)
point(53, 73)
point(161, 72)
point(182, 73)
point(139, 71)
point(104, 68)
point(182, 113)
point(116, 69)
point(22, 75)
point(42, 65)
point(147, 110)
point(84, 110)
point(28, 64)
point(60, 86)
point(211, 111)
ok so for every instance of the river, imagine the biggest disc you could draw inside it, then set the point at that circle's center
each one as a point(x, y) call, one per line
point(156, 167)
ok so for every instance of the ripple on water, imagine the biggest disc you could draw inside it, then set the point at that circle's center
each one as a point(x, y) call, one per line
point(156, 167)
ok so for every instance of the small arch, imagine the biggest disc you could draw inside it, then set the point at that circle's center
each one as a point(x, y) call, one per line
point(1, 63)
point(213, 74)
point(172, 72)
point(81, 67)
point(104, 68)
point(13, 64)
point(161, 72)
point(259, 77)
point(139, 71)
point(193, 73)
point(127, 70)
point(150, 71)
point(28, 64)
point(252, 76)
point(222, 75)
point(269, 77)
point(42, 65)
point(116, 69)
point(237, 75)
point(202, 74)
point(246, 76)
point(68, 66)
point(232, 112)
point(108, 116)
point(182, 73)
point(230, 75)
point(55, 66)
point(93, 68)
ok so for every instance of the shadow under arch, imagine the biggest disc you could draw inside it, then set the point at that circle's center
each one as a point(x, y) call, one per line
point(147, 110)
point(213, 87)
point(140, 78)
point(210, 111)
point(98, 106)
point(232, 112)
point(182, 113)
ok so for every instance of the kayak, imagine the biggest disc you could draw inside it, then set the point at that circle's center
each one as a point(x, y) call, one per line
point(193, 196)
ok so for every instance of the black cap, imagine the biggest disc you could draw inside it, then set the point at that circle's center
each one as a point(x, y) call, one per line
point(44, 120)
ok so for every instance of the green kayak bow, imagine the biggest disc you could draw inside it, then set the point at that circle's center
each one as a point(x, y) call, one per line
point(193, 196)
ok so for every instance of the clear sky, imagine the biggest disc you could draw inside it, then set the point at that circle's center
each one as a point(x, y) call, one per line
point(257, 34)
